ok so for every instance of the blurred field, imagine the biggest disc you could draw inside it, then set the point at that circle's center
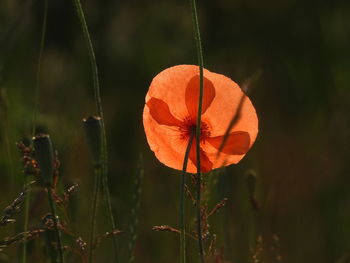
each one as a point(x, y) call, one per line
point(295, 55)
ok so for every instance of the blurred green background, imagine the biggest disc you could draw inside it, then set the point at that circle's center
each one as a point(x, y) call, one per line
point(296, 54)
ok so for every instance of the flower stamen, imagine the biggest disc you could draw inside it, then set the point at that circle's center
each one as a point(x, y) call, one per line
point(188, 129)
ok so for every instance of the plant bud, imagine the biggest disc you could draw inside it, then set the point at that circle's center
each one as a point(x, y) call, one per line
point(250, 176)
point(93, 132)
point(44, 156)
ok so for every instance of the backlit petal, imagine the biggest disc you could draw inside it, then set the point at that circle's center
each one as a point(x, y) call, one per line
point(165, 142)
point(237, 143)
point(225, 106)
point(159, 110)
point(170, 86)
point(192, 95)
point(206, 164)
point(168, 142)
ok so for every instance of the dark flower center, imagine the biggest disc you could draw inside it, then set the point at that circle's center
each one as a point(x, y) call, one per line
point(188, 129)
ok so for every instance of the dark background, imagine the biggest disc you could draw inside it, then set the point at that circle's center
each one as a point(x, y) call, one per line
point(296, 56)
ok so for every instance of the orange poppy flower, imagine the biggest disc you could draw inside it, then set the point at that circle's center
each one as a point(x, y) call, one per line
point(170, 115)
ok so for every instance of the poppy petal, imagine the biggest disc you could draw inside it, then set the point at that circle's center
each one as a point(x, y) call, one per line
point(192, 95)
point(159, 110)
point(166, 143)
point(237, 143)
point(206, 164)
point(163, 133)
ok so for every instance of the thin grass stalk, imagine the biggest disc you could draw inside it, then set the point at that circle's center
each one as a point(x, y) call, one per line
point(52, 208)
point(26, 219)
point(6, 133)
point(38, 72)
point(97, 186)
point(107, 200)
point(34, 121)
point(99, 108)
point(198, 126)
point(134, 211)
point(4, 109)
point(182, 202)
point(236, 116)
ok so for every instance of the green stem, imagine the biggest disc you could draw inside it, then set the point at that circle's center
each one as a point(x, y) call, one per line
point(199, 217)
point(134, 211)
point(92, 57)
point(100, 113)
point(36, 99)
point(198, 127)
point(52, 208)
point(38, 72)
point(182, 202)
point(95, 199)
point(108, 203)
point(26, 217)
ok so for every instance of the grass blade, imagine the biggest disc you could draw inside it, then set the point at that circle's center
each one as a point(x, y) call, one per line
point(182, 202)
point(99, 108)
point(198, 126)
point(134, 212)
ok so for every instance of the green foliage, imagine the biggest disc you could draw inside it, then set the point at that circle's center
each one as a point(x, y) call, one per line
point(298, 50)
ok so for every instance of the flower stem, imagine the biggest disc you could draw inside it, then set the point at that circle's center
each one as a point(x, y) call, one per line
point(108, 204)
point(95, 199)
point(99, 108)
point(38, 72)
point(198, 126)
point(52, 208)
point(135, 209)
point(37, 87)
point(26, 217)
point(199, 216)
point(182, 202)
